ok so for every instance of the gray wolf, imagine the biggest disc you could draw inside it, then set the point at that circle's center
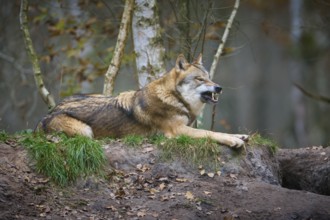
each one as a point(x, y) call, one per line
point(167, 105)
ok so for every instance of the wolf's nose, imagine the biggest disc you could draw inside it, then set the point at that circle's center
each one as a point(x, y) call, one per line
point(218, 89)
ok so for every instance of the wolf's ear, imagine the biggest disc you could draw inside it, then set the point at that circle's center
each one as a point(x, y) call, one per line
point(199, 59)
point(181, 63)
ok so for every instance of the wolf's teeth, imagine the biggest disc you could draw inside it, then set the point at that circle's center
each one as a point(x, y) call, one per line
point(214, 96)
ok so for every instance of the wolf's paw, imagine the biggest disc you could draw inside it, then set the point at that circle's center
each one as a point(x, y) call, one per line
point(236, 142)
point(243, 137)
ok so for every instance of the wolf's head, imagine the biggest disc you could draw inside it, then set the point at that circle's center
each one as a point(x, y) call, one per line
point(193, 82)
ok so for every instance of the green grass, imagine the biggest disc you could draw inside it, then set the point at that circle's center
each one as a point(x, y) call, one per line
point(257, 139)
point(64, 159)
point(196, 151)
point(133, 140)
point(3, 136)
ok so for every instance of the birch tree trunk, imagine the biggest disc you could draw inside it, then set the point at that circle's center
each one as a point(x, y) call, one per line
point(148, 44)
point(46, 96)
point(299, 109)
point(113, 69)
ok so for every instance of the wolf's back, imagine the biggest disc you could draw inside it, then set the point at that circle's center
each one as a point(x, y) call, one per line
point(106, 116)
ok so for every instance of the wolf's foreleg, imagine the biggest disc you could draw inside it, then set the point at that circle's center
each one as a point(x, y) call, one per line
point(222, 138)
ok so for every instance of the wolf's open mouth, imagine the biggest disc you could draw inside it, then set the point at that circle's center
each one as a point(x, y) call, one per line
point(210, 97)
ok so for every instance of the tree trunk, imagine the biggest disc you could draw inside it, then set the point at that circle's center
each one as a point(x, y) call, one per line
point(113, 69)
point(148, 44)
point(299, 108)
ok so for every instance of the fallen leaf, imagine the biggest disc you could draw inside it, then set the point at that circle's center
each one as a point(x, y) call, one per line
point(323, 153)
point(163, 179)
point(219, 173)
point(164, 198)
point(111, 207)
point(200, 167)
point(155, 214)
point(139, 166)
point(181, 180)
point(202, 172)
point(162, 186)
point(211, 175)
point(233, 176)
point(207, 193)
point(148, 149)
point(153, 191)
point(189, 196)
point(141, 213)
point(152, 197)
point(142, 168)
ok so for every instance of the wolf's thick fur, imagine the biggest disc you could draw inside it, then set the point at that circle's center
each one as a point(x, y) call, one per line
point(167, 105)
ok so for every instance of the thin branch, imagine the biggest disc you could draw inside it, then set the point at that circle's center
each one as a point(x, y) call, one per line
point(312, 95)
point(217, 57)
point(113, 69)
point(202, 32)
point(46, 96)
point(224, 39)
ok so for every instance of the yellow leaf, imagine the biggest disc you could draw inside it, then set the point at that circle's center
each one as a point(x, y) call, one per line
point(202, 172)
point(211, 175)
point(181, 180)
point(189, 196)
point(141, 213)
point(162, 186)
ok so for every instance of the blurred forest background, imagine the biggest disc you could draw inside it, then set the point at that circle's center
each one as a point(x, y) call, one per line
point(272, 45)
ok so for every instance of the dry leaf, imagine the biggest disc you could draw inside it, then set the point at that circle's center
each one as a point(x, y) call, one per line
point(148, 149)
point(207, 193)
point(141, 213)
point(162, 186)
point(155, 214)
point(189, 196)
point(181, 180)
point(111, 207)
point(219, 173)
point(202, 172)
point(211, 175)
point(164, 198)
point(153, 191)
point(233, 176)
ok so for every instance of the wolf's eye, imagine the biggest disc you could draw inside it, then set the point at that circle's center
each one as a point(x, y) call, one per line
point(198, 78)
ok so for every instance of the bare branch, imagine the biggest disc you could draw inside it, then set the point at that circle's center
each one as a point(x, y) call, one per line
point(113, 69)
point(224, 39)
point(46, 96)
point(312, 95)
point(217, 57)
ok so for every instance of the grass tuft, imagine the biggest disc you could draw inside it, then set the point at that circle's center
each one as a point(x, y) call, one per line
point(197, 151)
point(3, 136)
point(64, 159)
point(133, 140)
point(257, 139)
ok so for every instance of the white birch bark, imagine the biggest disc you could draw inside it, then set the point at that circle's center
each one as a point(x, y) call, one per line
point(148, 46)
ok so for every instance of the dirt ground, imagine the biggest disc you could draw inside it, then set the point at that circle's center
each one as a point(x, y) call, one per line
point(137, 185)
